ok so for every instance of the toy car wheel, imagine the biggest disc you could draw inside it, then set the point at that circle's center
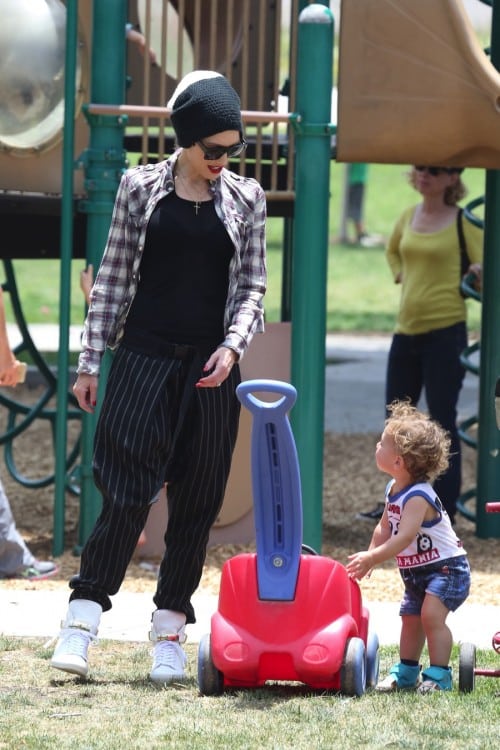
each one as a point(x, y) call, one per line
point(210, 679)
point(466, 667)
point(353, 670)
point(372, 660)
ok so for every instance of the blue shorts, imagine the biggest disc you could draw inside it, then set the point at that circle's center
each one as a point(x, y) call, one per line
point(449, 580)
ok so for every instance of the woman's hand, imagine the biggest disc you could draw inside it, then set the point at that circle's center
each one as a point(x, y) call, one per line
point(218, 366)
point(85, 390)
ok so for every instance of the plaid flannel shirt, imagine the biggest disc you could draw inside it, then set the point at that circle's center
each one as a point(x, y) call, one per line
point(240, 204)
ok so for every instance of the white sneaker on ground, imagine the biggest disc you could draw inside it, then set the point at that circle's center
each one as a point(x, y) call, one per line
point(169, 659)
point(78, 631)
point(371, 240)
point(388, 685)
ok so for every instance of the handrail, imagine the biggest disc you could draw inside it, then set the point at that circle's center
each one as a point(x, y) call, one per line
point(469, 290)
point(164, 112)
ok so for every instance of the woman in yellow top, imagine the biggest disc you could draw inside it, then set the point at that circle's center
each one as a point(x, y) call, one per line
point(424, 256)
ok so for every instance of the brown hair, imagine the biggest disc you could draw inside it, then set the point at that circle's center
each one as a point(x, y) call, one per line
point(453, 193)
point(421, 442)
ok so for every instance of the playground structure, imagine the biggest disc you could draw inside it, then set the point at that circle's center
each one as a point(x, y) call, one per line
point(423, 63)
point(71, 216)
point(55, 210)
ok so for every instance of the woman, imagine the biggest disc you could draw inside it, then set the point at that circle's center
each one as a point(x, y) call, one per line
point(424, 256)
point(178, 296)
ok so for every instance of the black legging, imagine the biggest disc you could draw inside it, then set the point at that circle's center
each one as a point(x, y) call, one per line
point(431, 362)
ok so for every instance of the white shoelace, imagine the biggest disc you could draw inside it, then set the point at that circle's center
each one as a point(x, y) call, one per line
point(76, 641)
point(169, 654)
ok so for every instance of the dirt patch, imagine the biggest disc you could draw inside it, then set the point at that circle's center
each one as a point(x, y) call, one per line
point(351, 483)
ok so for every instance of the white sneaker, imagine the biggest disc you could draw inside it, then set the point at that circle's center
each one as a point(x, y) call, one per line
point(169, 660)
point(167, 633)
point(70, 653)
point(78, 630)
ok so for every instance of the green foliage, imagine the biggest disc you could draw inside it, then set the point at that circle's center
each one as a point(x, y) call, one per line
point(38, 287)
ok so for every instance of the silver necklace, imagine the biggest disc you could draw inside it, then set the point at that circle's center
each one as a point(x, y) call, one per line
point(188, 189)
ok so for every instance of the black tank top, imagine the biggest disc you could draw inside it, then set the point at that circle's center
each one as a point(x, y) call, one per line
point(184, 274)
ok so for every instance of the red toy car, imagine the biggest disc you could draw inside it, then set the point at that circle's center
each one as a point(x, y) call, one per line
point(284, 613)
point(467, 669)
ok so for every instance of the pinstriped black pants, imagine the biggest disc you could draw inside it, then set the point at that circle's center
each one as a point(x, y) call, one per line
point(134, 456)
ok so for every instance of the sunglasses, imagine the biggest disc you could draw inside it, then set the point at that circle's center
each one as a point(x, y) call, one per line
point(212, 153)
point(435, 171)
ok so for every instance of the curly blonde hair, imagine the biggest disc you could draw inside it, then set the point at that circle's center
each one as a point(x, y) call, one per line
point(453, 193)
point(422, 443)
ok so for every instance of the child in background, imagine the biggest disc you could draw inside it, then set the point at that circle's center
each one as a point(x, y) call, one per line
point(135, 35)
point(416, 530)
point(357, 177)
point(86, 281)
point(16, 559)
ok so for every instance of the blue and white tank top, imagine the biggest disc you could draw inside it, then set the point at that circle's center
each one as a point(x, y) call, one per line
point(436, 539)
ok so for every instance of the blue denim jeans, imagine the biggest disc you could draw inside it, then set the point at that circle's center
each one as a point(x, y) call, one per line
point(430, 362)
point(449, 580)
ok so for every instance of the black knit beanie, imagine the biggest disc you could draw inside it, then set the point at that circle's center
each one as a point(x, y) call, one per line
point(207, 106)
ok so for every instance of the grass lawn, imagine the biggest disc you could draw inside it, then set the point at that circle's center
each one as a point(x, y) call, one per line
point(119, 709)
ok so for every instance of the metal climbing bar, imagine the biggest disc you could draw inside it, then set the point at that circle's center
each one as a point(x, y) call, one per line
point(21, 415)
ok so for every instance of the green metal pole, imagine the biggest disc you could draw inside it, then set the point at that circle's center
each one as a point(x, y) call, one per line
point(65, 276)
point(312, 185)
point(104, 163)
point(488, 474)
point(286, 285)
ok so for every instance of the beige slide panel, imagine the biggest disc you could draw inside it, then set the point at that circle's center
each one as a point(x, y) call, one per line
point(415, 86)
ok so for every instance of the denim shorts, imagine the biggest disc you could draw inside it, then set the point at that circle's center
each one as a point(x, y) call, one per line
point(449, 580)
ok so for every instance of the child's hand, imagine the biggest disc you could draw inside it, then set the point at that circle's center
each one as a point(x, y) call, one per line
point(13, 374)
point(86, 281)
point(360, 565)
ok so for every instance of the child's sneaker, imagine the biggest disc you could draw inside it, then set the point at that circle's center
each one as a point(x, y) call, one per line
point(400, 677)
point(39, 571)
point(436, 678)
